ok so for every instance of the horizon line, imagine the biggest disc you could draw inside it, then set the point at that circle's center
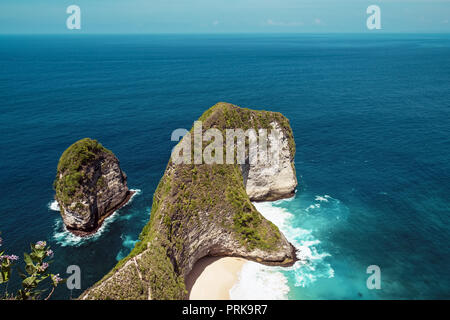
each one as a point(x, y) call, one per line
point(72, 33)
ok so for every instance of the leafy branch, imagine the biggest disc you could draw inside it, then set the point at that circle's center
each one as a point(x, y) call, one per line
point(35, 275)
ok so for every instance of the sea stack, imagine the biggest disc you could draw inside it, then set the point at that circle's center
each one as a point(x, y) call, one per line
point(202, 210)
point(89, 186)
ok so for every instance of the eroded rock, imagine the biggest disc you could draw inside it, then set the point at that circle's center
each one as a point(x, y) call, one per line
point(89, 186)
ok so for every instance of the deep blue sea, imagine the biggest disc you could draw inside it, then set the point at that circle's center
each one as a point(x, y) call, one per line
point(370, 115)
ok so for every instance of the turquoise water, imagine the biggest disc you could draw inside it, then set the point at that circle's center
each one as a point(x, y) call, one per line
point(370, 115)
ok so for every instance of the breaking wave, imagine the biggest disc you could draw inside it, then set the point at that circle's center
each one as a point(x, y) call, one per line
point(65, 238)
point(258, 281)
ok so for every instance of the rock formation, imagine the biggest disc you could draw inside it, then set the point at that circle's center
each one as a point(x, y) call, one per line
point(269, 181)
point(89, 186)
point(203, 210)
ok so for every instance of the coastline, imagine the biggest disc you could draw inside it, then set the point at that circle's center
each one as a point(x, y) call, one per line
point(124, 202)
point(212, 278)
point(221, 272)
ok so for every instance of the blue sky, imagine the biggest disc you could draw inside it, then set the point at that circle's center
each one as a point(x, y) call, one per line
point(223, 16)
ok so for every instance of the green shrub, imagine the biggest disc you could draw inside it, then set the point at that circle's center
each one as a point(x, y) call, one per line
point(70, 174)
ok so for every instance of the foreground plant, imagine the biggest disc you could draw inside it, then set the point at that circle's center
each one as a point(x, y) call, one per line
point(34, 277)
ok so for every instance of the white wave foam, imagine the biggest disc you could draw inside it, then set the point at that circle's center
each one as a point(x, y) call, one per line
point(257, 281)
point(266, 284)
point(284, 200)
point(324, 198)
point(313, 206)
point(66, 238)
point(53, 205)
point(136, 192)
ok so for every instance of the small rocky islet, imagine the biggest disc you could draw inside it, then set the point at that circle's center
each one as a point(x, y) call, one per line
point(198, 210)
point(89, 186)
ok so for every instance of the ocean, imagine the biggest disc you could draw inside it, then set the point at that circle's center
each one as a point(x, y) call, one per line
point(371, 120)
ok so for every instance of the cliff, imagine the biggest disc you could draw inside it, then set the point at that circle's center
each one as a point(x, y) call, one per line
point(89, 186)
point(205, 210)
point(268, 181)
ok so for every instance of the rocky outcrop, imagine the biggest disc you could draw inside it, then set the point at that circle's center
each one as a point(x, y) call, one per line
point(269, 181)
point(203, 210)
point(89, 186)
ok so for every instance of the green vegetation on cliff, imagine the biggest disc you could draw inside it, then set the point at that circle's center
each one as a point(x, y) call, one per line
point(227, 116)
point(191, 201)
point(70, 174)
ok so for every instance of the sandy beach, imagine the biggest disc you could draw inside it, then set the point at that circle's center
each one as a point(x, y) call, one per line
point(212, 278)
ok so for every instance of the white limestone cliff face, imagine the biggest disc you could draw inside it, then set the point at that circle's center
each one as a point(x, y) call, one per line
point(273, 179)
